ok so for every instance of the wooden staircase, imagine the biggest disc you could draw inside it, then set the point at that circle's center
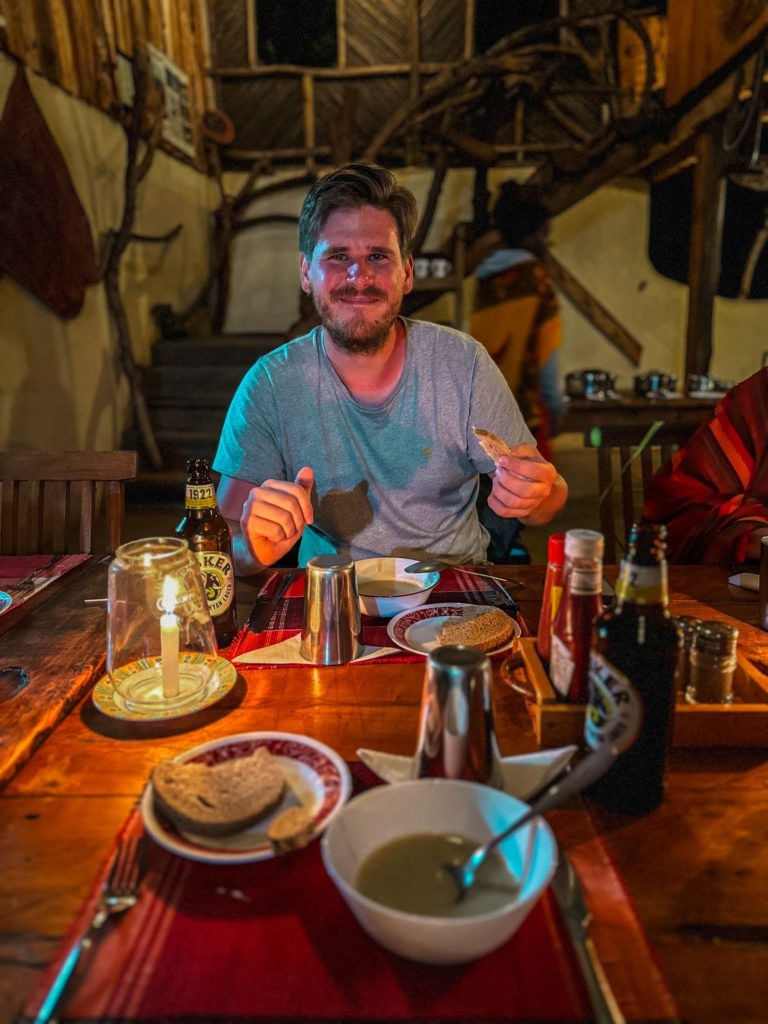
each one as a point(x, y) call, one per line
point(188, 389)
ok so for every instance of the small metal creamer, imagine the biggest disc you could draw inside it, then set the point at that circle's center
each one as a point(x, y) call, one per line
point(457, 738)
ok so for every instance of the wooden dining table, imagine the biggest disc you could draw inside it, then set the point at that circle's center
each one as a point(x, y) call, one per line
point(695, 869)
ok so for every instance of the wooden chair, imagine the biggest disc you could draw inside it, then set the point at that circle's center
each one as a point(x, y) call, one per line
point(50, 502)
point(623, 475)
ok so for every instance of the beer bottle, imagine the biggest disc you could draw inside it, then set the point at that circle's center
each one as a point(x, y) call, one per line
point(207, 533)
point(632, 677)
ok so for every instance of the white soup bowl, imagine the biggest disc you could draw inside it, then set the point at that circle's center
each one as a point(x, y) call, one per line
point(385, 813)
point(376, 578)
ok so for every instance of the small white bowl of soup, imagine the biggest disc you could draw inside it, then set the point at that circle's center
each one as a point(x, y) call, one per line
point(385, 588)
point(385, 853)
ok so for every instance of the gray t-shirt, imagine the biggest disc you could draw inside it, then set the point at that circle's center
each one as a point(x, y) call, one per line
point(397, 479)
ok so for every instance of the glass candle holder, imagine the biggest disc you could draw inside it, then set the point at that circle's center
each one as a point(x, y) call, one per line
point(161, 644)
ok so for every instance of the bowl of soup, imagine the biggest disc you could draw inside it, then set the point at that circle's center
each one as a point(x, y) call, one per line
point(386, 853)
point(385, 588)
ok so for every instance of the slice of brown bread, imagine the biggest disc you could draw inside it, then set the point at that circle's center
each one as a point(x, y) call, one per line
point(485, 630)
point(219, 799)
point(491, 443)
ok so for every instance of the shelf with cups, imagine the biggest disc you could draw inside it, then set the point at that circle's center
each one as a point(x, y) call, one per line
point(742, 723)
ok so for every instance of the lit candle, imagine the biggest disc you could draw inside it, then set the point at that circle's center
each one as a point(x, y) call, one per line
point(169, 640)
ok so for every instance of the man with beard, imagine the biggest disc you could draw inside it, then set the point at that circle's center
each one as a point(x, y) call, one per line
point(357, 438)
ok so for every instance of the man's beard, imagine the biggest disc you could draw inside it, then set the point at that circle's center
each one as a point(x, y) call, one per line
point(357, 334)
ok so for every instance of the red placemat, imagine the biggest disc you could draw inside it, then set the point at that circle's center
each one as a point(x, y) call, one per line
point(454, 585)
point(274, 942)
point(39, 570)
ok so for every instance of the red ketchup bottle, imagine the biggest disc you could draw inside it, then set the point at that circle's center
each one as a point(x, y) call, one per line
point(580, 604)
point(553, 589)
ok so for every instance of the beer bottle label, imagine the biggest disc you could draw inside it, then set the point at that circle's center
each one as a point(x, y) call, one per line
point(642, 584)
point(218, 580)
point(200, 496)
point(561, 665)
point(615, 708)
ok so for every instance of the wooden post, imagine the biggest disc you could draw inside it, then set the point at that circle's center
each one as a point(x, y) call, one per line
point(706, 242)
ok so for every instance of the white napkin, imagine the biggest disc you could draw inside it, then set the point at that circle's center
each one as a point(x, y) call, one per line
point(746, 580)
point(287, 653)
point(522, 774)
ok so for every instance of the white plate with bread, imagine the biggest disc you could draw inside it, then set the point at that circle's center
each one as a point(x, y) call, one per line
point(245, 798)
point(421, 630)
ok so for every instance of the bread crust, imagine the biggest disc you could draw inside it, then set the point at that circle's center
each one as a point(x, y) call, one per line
point(484, 630)
point(219, 799)
point(491, 443)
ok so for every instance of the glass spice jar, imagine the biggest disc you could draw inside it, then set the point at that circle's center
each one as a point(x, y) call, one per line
point(688, 626)
point(712, 664)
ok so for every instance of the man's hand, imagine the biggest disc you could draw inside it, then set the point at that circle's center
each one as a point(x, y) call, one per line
point(275, 514)
point(265, 521)
point(527, 487)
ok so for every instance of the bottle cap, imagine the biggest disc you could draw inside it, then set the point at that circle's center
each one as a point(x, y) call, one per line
point(556, 548)
point(583, 544)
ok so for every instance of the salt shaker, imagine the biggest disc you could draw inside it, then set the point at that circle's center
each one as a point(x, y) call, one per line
point(689, 627)
point(713, 660)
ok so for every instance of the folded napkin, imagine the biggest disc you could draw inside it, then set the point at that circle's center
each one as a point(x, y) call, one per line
point(274, 942)
point(522, 774)
point(286, 652)
point(746, 580)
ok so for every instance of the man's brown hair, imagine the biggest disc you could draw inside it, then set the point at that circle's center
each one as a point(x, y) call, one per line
point(352, 186)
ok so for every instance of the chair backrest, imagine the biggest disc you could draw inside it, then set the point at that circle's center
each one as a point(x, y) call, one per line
point(623, 474)
point(51, 501)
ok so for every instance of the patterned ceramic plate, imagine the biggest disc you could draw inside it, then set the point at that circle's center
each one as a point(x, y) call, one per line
point(106, 698)
point(5, 601)
point(418, 629)
point(316, 779)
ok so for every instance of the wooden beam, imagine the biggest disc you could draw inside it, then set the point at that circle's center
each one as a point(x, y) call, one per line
point(594, 311)
point(705, 248)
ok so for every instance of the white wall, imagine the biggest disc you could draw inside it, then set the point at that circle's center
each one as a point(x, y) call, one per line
point(61, 385)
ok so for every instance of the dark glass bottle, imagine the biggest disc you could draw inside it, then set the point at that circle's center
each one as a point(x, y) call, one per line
point(207, 533)
point(633, 665)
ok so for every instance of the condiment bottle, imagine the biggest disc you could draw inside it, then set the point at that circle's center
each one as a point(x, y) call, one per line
point(553, 589)
point(713, 661)
point(633, 668)
point(580, 603)
point(207, 533)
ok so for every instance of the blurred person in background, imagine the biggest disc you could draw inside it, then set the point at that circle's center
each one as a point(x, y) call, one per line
point(515, 315)
point(713, 493)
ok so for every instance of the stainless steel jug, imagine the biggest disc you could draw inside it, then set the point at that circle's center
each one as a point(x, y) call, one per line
point(457, 738)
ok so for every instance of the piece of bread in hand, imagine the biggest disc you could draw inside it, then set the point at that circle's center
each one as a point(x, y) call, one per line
point(491, 444)
point(485, 630)
point(218, 799)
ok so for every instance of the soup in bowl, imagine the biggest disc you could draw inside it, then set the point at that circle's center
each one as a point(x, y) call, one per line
point(382, 838)
point(385, 588)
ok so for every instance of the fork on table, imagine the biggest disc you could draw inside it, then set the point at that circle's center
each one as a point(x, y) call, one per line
point(121, 892)
point(28, 582)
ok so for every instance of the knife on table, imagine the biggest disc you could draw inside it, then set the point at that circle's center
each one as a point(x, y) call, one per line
point(570, 898)
point(263, 607)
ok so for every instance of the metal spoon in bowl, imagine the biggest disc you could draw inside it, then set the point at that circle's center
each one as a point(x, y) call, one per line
point(435, 565)
point(587, 771)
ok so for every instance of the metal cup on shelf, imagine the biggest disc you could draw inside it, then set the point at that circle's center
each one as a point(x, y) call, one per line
point(330, 632)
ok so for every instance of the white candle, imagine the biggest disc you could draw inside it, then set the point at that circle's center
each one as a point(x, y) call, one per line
point(169, 640)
